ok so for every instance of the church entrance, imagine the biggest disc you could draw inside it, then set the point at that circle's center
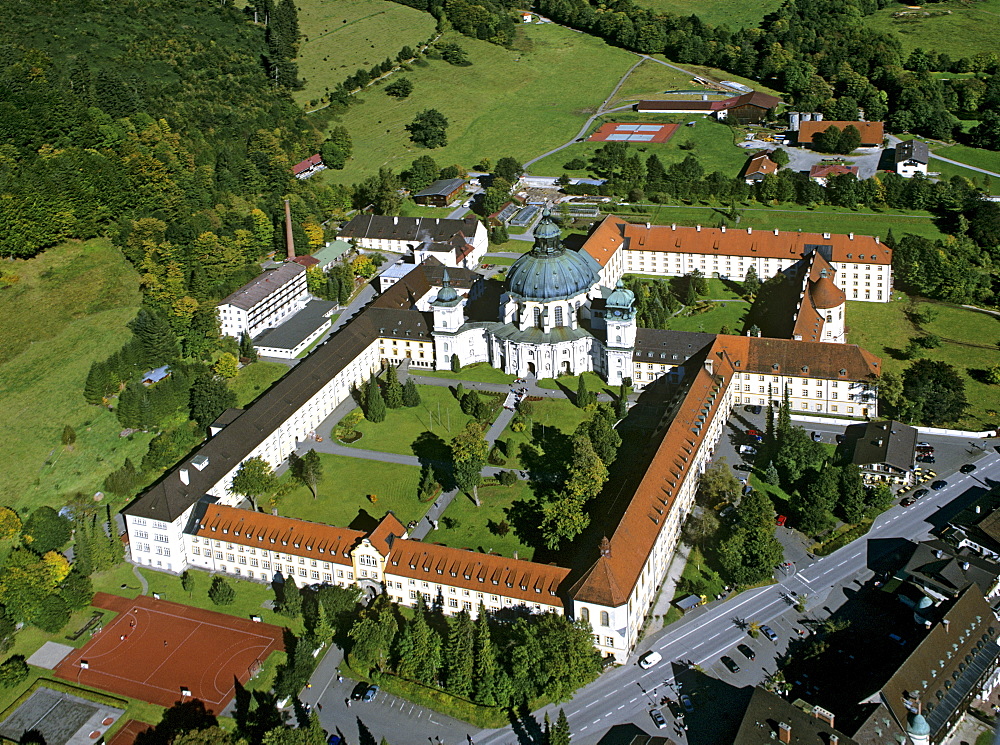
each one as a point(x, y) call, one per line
point(565, 367)
point(531, 368)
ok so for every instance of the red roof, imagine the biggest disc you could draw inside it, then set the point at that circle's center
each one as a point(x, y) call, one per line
point(761, 163)
point(306, 261)
point(307, 165)
point(871, 132)
point(826, 171)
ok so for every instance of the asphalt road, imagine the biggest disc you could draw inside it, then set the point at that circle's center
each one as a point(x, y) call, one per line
point(626, 694)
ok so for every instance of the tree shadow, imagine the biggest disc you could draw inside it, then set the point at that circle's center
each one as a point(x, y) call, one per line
point(526, 728)
point(365, 736)
point(183, 716)
point(363, 521)
point(525, 518)
point(434, 453)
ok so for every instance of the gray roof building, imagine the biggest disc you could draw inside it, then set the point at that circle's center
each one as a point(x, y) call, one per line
point(887, 442)
point(299, 327)
point(410, 229)
point(912, 150)
point(947, 570)
point(267, 283)
point(442, 188)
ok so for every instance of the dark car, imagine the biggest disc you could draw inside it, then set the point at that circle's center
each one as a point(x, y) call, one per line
point(730, 664)
point(752, 409)
point(743, 467)
point(967, 468)
point(658, 719)
point(939, 485)
point(370, 694)
point(769, 633)
point(920, 493)
point(926, 459)
point(746, 651)
point(907, 502)
point(687, 703)
point(675, 708)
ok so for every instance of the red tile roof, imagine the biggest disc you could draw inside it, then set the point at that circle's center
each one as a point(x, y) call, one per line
point(871, 132)
point(825, 171)
point(307, 164)
point(758, 243)
point(306, 261)
point(761, 163)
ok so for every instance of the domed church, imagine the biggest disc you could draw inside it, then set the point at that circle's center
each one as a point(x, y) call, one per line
point(553, 317)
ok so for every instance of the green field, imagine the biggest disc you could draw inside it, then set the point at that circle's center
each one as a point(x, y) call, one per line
point(793, 217)
point(960, 34)
point(947, 170)
point(714, 146)
point(475, 528)
point(480, 372)
point(723, 315)
point(546, 86)
point(340, 37)
point(68, 309)
point(882, 329)
point(254, 379)
point(973, 156)
point(731, 13)
point(549, 415)
point(344, 490)
point(652, 80)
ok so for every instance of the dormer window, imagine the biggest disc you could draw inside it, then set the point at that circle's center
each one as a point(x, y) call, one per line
point(213, 528)
point(225, 530)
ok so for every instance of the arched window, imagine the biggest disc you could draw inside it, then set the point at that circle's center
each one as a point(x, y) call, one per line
point(605, 618)
point(559, 315)
point(829, 317)
point(585, 615)
point(538, 317)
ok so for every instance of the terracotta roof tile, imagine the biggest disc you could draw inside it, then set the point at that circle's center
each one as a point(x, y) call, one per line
point(871, 132)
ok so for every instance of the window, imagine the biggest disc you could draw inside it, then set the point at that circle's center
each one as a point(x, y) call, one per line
point(413, 594)
point(141, 534)
point(452, 602)
point(538, 317)
point(369, 561)
point(585, 615)
point(609, 641)
point(559, 315)
point(605, 618)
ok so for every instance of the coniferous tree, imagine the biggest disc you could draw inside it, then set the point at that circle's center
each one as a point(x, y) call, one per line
point(411, 395)
point(116, 549)
point(374, 402)
point(486, 669)
point(291, 598)
point(208, 398)
point(460, 655)
point(102, 558)
point(393, 390)
point(157, 341)
point(83, 552)
point(560, 732)
point(99, 383)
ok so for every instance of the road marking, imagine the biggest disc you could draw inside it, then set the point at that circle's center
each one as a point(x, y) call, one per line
point(621, 707)
point(632, 700)
point(595, 701)
point(595, 721)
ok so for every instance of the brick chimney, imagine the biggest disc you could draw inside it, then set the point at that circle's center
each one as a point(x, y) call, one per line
point(784, 733)
point(289, 238)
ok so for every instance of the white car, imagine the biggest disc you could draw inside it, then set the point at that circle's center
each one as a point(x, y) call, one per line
point(747, 450)
point(649, 659)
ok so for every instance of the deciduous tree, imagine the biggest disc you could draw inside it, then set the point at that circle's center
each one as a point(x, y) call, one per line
point(254, 479)
point(429, 129)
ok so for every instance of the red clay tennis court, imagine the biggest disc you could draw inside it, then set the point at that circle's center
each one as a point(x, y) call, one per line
point(164, 652)
point(638, 133)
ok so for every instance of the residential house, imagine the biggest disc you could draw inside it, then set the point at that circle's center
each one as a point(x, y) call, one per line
point(884, 451)
point(911, 158)
point(758, 167)
point(822, 172)
point(306, 168)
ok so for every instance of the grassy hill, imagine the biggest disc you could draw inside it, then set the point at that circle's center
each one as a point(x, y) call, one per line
point(340, 37)
point(960, 32)
point(732, 13)
point(69, 308)
point(518, 102)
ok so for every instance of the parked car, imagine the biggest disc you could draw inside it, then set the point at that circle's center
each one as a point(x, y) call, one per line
point(730, 664)
point(816, 437)
point(370, 694)
point(939, 485)
point(747, 450)
point(926, 459)
point(907, 502)
point(687, 703)
point(780, 521)
point(920, 493)
point(769, 633)
point(755, 433)
point(649, 659)
point(746, 651)
point(658, 719)
point(752, 409)
point(967, 468)
point(743, 467)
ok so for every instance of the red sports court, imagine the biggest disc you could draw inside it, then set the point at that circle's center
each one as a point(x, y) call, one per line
point(164, 652)
point(613, 132)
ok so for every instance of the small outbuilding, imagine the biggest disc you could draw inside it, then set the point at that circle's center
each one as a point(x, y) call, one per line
point(440, 193)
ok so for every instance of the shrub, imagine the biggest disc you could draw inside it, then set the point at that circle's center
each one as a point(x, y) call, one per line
point(221, 592)
point(13, 671)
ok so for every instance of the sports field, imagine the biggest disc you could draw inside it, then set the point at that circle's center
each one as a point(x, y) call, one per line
point(617, 132)
point(155, 650)
point(516, 102)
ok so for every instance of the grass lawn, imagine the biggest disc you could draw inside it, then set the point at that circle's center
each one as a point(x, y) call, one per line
point(410, 208)
point(472, 527)
point(652, 80)
point(793, 217)
point(480, 372)
point(714, 146)
point(68, 310)
point(499, 260)
point(974, 156)
point(882, 329)
point(960, 33)
point(594, 383)
point(344, 490)
point(546, 86)
point(947, 170)
point(729, 315)
point(716, 12)
point(339, 38)
point(439, 412)
point(254, 379)
point(550, 414)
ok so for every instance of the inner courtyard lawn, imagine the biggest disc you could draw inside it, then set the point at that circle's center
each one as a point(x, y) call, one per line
point(550, 422)
point(439, 412)
point(480, 372)
point(728, 316)
point(344, 489)
point(466, 526)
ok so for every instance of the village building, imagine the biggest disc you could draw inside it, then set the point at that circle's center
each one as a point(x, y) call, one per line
point(872, 133)
point(306, 168)
point(440, 193)
point(758, 167)
point(822, 172)
point(911, 158)
point(884, 450)
point(749, 108)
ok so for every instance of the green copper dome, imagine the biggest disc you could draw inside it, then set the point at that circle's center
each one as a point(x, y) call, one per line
point(549, 271)
point(447, 295)
point(917, 725)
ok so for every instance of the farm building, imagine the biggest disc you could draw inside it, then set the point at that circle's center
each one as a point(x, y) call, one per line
point(750, 108)
point(758, 167)
point(872, 133)
point(440, 193)
point(309, 166)
point(911, 158)
point(459, 242)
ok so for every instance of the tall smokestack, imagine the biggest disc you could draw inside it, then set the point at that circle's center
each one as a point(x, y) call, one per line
point(289, 239)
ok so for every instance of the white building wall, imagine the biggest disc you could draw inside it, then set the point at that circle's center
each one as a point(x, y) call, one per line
point(268, 313)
